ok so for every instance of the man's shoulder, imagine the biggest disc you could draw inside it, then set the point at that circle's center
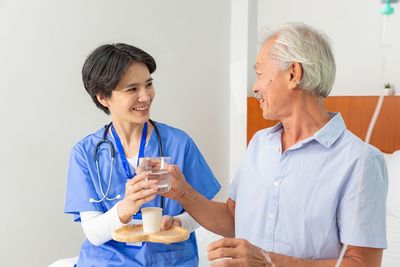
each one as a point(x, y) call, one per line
point(356, 146)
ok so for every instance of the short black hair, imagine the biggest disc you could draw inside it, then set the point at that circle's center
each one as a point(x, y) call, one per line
point(105, 66)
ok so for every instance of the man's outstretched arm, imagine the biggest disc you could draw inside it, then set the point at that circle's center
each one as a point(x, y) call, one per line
point(217, 217)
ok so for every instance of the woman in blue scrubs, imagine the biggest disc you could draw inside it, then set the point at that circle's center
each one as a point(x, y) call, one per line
point(109, 194)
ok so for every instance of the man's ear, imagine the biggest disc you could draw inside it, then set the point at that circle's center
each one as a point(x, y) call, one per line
point(295, 74)
point(102, 100)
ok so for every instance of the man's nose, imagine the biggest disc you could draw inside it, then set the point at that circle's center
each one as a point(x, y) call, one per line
point(255, 89)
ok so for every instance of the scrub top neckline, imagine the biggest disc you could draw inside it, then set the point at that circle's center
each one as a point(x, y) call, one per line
point(147, 143)
point(149, 147)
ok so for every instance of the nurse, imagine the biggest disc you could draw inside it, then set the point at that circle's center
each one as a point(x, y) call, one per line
point(108, 195)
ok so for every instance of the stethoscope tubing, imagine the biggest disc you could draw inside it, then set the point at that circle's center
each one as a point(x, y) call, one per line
point(104, 140)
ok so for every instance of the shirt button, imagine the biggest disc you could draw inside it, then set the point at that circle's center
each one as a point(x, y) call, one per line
point(276, 183)
point(270, 216)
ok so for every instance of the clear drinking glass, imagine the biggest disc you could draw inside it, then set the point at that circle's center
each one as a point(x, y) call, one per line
point(158, 168)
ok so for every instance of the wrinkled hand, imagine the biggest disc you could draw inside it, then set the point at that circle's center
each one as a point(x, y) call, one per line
point(238, 252)
point(167, 222)
point(178, 183)
point(138, 191)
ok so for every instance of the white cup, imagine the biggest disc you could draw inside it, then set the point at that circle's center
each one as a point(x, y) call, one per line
point(151, 219)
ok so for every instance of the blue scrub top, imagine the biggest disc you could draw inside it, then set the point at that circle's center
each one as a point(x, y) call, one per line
point(82, 184)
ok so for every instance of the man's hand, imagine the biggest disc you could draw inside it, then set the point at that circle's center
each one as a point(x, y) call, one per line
point(179, 185)
point(238, 252)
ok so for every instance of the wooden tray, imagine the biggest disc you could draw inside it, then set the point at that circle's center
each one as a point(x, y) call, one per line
point(134, 233)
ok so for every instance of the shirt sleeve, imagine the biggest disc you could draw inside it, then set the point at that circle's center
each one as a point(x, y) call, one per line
point(98, 226)
point(233, 187)
point(80, 187)
point(197, 172)
point(187, 222)
point(362, 208)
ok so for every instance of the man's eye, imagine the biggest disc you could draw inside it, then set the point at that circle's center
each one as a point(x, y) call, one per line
point(149, 85)
point(133, 89)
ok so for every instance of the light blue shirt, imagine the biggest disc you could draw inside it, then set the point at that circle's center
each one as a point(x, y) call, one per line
point(322, 192)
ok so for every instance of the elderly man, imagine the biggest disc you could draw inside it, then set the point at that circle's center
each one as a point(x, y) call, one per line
point(306, 186)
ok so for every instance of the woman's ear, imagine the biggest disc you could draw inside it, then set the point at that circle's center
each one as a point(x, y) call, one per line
point(296, 74)
point(102, 100)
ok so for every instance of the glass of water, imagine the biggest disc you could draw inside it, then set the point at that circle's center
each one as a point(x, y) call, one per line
point(158, 168)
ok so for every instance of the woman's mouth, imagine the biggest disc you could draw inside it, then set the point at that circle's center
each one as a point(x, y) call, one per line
point(142, 108)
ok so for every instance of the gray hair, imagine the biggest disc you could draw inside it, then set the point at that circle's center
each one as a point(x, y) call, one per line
point(297, 42)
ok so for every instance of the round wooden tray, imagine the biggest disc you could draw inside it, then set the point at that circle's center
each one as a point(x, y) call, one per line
point(134, 233)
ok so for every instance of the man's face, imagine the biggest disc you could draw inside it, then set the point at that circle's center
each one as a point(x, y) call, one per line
point(272, 85)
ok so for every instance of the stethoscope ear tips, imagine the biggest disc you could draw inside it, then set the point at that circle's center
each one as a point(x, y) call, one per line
point(118, 196)
point(91, 200)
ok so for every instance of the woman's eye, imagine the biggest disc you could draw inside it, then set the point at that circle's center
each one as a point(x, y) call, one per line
point(133, 89)
point(149, 85)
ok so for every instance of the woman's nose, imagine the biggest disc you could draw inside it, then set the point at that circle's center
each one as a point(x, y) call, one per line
point(144, 95)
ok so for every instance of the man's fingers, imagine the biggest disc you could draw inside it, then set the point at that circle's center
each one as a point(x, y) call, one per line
point(224, 242)
point(226, 263)
point(223, 252)
point(173, 169)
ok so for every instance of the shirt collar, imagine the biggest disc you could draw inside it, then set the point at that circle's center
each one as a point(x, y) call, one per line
point(331, 131)
point(276, 128)
point(327, 135)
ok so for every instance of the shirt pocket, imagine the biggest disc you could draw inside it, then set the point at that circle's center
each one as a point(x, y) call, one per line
point(178, 254)
point(182, 258)
point(94, 256)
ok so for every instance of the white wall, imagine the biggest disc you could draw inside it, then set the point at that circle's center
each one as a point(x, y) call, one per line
point(355, 30)
point(45, 109)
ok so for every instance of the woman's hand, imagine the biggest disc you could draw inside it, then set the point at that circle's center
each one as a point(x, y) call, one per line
point(138, 191)
point(167, 222)
point(179, 185)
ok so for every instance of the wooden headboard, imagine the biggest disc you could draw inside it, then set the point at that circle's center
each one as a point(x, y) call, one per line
point(356, 111)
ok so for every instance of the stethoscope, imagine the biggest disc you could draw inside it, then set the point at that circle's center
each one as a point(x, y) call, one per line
point(105, 141)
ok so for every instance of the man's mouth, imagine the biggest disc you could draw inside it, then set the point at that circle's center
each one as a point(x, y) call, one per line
point(259, 97)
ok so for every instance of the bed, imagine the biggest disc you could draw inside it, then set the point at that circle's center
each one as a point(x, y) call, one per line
point(357, 112)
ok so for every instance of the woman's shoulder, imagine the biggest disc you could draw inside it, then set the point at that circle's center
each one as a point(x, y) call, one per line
point(89, 141)
point(169, 131)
